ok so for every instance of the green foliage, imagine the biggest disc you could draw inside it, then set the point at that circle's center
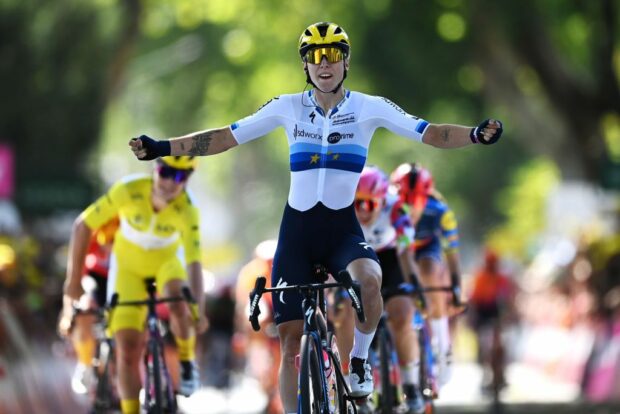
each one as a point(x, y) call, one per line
point(524, 207)
point(53, 94)
point(78, 73)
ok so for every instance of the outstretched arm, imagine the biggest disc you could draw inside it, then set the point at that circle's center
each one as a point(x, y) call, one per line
point(208, 142)
point(455, 136)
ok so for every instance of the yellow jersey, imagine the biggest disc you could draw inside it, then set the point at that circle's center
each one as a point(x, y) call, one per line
point(146, 239)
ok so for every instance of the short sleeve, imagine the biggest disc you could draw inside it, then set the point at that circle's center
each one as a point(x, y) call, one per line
point(267, 118)
point(106, 207)
point(383, 113)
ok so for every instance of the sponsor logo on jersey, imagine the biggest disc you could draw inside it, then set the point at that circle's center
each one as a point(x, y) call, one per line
point(267, 103)
point(398, 108)
point(342, 119)
point(312, 116)
point(302, 133)
point(335, 137)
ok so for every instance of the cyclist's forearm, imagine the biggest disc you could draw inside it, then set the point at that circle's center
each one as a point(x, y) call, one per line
point(208, 142)
point(194, 271)
point(78, 245)
point(454, 266)
point(447, 135)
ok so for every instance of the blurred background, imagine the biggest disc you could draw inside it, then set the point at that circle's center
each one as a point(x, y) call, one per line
point(79, 79)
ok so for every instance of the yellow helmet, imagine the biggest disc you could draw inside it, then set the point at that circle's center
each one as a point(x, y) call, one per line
point(323, 34)
point(180, 162)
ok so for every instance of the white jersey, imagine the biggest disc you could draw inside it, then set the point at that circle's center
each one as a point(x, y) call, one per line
point(392, 229)
point(327, 151)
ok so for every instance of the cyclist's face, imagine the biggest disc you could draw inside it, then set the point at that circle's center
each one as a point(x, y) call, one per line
point(368, 210)
point(167, 187)
point(327, 75)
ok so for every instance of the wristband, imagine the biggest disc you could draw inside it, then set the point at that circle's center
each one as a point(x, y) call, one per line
point(163, 147)
point(473, 135)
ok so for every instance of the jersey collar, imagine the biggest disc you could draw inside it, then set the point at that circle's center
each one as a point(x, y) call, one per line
point(335, 109)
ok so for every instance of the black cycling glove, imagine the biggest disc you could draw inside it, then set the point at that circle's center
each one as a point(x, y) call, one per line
point(154, 148)
point(477, 137)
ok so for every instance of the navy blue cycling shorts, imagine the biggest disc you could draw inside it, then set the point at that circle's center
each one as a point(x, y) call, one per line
point(391, 272)
point(332, 238)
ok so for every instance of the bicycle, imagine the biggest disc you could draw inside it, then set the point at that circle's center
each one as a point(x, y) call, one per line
point(322, 387)
point(103, 390)
point(386, 368)
point(160, 396)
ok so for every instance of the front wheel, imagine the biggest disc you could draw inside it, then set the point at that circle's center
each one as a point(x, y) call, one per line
point(336, 388)
point(105, 394)
point(387, 398)
point(426, 375)
point(153, 396)
point(312, 391)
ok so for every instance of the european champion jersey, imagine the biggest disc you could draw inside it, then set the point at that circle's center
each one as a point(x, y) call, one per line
point(327, 151)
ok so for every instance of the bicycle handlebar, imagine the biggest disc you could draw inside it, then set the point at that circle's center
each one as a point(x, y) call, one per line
point(355, 293)
point(343, 280)
point(186, 296)
point(255, 295)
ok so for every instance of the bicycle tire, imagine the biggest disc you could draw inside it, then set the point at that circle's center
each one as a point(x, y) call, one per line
point(312, 396)
point(105, 396)
point(341, 394)
point(153, 395)
point(426, 382)
point(387, 397)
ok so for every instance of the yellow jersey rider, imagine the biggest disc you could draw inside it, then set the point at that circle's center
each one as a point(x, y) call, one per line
point(159, 236)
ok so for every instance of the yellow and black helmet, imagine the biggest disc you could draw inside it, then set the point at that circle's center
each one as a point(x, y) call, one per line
point(323, 34)
point(180, 162)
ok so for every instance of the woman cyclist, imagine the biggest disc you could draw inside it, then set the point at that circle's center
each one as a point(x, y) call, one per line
point(157, 221)
point(436, 231)
point(388, 229)
point(329, 129)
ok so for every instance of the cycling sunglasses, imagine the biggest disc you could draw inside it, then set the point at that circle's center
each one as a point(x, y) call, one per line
point(179, 176)
point(333, 55)
point(366, 205)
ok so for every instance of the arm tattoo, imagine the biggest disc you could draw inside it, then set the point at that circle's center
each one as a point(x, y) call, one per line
point(201, 142)
point(445, 135)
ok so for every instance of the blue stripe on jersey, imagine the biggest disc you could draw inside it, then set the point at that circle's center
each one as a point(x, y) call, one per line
point(347, 148)
point(303, 161)
point(421, 127)
point(234, 126)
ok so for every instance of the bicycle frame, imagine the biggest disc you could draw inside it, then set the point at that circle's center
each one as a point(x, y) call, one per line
point(315, 328)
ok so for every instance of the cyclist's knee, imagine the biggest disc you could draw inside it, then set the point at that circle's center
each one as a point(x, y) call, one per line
point(129, 346)
point(400, 311)
point(365, 271)
point(371, 284)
